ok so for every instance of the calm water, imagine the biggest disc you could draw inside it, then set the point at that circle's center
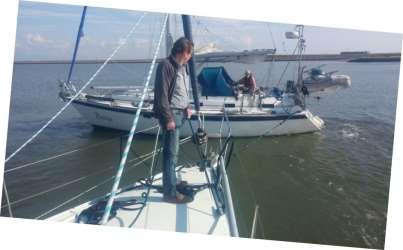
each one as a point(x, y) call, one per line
point(329, 187)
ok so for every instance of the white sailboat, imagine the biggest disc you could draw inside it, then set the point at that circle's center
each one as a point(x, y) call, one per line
point(250, 115)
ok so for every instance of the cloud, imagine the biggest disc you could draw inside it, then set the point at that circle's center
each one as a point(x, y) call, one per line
point(247, 41)
point(122, 41)
point(39, 40)
point(38, 46)
point(61, 45)
point(44, 13)
point(87, 40)
point(33, 39)
point(49, 31)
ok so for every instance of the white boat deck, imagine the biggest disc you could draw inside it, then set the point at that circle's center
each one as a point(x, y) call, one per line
point(195, 217)
point(211, 107)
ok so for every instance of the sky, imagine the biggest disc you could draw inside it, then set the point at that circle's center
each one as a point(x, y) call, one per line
point(48, 32)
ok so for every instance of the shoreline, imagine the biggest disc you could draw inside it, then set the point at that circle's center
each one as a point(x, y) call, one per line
point(244, 57)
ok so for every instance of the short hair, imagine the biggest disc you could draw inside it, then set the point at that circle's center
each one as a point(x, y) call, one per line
point(181, 45)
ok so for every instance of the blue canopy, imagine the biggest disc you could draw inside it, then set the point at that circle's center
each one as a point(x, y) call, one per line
point(215, 81)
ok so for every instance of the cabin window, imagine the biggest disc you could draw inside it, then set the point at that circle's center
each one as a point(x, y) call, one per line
point(267, 105)
point(229, 105)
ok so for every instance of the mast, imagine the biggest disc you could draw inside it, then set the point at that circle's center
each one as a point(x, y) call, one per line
point(79, 35)
point(187, 29)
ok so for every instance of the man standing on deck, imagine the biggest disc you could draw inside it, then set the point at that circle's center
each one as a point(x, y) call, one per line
point(171, 107)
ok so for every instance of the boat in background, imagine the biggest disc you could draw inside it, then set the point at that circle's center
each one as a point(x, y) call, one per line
point(266, 112)
point(249, 115)
point(316, 81)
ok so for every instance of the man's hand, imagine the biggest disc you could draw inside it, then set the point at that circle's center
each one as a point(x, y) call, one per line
point(171, 125)
point(188, 113)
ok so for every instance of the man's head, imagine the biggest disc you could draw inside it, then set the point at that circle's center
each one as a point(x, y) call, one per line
point(248, 73)
point(182, 50)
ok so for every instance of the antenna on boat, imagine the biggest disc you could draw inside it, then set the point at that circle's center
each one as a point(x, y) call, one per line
point(301, 42)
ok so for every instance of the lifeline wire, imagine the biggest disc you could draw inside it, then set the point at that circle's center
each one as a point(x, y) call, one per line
point(146, 194)
point(72, 151)
point(142, 159)
point(124, 41)
point(133, 128)
point(10, 213)
point(87, 191)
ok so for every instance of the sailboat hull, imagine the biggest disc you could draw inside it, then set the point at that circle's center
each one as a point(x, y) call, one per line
point(242, 125)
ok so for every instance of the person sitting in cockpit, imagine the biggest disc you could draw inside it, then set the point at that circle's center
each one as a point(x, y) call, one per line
point(247, 83)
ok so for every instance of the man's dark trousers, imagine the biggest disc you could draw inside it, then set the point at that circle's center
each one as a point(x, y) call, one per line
point(170, 153)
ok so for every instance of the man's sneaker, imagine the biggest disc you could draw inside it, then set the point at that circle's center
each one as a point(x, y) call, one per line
point(181, 184)
point(178, 198)
point(184, 188)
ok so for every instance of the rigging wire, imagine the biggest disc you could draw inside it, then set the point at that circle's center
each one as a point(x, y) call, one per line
point(286, 67)
point(72, 151)
point(270, 70)
point(132, 130)
point(94, 187)
point(269, 131)
point(271, 66)
point(217, 36)
point(271, 35)
point(59, 186)
point(248, 182)
point(249, 186)
point(143, 158)
point(88, 190)
point(243, 169)
point(73, 198)
point(176, 33)
point(261, 226)
point(199, 31)
point(10, 213)
point(124, 41)
point(155, 151)
point(150, 180)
